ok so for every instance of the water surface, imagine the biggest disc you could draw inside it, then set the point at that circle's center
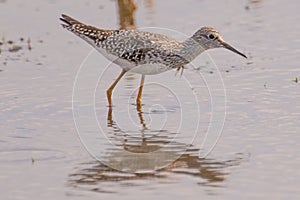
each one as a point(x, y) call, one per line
point(41, 154)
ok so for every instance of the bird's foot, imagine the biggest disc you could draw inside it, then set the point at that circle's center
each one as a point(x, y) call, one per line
point(178, 69)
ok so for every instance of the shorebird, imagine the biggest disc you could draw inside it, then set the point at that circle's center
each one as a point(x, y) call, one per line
point(145, 53)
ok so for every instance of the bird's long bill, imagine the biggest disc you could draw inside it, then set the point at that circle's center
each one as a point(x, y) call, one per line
point(227, 46)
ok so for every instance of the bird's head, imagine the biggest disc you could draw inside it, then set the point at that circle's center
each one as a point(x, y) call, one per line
point(210, 38)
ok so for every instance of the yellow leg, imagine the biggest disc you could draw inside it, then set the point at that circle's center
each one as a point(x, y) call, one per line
point(139, 97)
point(111, 88)
point(110, 121)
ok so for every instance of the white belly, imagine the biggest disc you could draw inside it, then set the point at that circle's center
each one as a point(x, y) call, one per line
point(145, 69)
point(149, 69)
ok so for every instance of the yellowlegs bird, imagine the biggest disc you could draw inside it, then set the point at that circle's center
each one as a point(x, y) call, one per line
point(145, 53)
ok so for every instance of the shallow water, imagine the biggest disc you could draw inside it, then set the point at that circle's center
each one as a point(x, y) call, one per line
point(45, 153)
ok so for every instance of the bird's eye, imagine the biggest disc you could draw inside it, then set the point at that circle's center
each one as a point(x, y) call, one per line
point(211, 36)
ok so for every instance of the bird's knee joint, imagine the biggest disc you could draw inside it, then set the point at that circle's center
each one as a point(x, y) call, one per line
point(108, 92)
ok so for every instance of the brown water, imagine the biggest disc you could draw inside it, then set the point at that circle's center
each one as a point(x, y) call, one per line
point(42, 156)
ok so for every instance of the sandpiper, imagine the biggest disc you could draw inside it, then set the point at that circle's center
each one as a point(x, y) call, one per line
point(145, 53)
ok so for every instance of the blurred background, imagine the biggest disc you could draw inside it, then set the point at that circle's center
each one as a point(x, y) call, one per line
point(256, 157)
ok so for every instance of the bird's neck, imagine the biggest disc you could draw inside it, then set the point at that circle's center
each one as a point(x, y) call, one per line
point(190, 49)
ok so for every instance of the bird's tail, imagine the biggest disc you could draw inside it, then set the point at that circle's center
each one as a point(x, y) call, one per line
point(89, 33)
point(69, 21)
point(76, 26)
point(82, 30)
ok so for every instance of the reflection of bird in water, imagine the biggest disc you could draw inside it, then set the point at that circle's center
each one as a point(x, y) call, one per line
point(144, 52)
point(172, 154)
point(147, 157)
point(208, 172)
